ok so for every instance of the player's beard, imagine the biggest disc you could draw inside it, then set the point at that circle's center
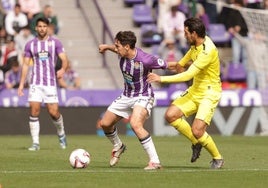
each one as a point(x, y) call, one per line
point(191, 42)
point(42, 35)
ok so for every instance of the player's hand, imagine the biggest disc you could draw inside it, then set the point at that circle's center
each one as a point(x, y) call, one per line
point(152, 77)
point(60, 73)
point(20, 91)
point(102, 48)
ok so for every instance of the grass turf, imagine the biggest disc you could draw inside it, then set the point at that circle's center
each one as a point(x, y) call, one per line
point(246, 163)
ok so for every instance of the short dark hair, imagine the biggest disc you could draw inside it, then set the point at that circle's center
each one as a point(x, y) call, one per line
point(17, 5)
point(126, 38)
point(42, 19)
point(195, 24)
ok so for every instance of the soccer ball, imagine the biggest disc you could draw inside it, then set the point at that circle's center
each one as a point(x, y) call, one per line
point(79, 158)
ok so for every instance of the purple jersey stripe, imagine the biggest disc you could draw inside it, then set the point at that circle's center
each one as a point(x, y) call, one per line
point(135, 73)
point(44, 48)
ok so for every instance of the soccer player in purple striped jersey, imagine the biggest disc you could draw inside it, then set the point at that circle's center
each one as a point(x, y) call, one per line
point(137, 98)
point(43, 51)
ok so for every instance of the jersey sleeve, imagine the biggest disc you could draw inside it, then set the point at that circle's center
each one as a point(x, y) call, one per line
point(154, 62)
point(59, 47)
point(27, 51)
point(181, 77)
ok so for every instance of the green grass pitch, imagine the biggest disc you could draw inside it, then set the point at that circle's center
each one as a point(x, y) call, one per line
point(246, 163)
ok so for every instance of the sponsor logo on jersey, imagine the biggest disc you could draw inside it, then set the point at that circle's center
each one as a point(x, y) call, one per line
point(160, 62)
point(43, 55)
point(136, 65)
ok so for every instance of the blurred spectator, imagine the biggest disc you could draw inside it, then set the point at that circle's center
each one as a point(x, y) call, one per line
point(256, 4)
point(47, 13)
point(265, 4)
point(201, 14)
point(2, 16)
point(3, 36)
point(163, 6)
point(30, 8)
point(15, 20)
point(51, 30)
point(70, 80)
point(237, 25)
point(7, 5)
point(22, 38)
point(12, 77)
point(168, 51)
point(173, 27)
point(211, 9)
point(256, 53)
point(224, 12)
point(8, 54)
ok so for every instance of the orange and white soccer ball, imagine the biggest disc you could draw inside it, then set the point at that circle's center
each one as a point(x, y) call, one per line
point(79, 158)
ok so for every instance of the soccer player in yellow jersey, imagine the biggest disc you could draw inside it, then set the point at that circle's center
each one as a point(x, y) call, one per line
point(202, 97)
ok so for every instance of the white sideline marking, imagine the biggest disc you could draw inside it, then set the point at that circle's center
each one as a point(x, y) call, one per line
point(124, 171)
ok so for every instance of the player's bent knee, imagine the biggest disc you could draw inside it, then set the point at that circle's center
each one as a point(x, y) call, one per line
point(197, 133)
point(105, 124)
point(170, 117)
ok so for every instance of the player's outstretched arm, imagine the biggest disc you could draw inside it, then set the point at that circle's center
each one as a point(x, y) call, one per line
point(104, 47)
point(152, 77)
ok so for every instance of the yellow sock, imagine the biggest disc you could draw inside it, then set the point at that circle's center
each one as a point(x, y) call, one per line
point(207, 142)
point(184, 128)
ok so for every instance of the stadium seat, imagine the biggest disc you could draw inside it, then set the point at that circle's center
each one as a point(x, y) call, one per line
point(218, 33)
point(150, 35)
point(142, 14)
point(133, 2)
point(236, 72)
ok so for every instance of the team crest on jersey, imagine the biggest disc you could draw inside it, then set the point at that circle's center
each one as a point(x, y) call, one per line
point(43, 55)
point(160, 62)
point(136, 65)
point(49, 43)
point(128, 78)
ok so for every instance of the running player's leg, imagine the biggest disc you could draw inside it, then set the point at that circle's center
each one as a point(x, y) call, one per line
point(184, 106)
point(108, 122)
point(34, 125)
point(199, 126)
point(141, 112)
point(174, 117)
point(52, 103)
point(57, 120)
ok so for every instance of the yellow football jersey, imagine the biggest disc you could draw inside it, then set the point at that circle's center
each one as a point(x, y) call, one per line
point(205, 57)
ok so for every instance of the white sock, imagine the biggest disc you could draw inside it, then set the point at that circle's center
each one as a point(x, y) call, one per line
point(149, 147)
point(34, 129)
point(59, 125)
point(114, 138)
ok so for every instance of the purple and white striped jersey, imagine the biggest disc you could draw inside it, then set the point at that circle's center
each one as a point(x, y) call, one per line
point(44, 55)
point(135, 73)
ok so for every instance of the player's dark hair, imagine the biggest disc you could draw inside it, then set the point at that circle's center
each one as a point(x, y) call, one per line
point(42, 19)
point(126, 38)
point(195, 24)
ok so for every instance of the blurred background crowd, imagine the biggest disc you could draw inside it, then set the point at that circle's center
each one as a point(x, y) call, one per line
point(17, 20)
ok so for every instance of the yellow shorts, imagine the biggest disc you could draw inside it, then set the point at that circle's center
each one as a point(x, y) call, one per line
point(201, 103)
